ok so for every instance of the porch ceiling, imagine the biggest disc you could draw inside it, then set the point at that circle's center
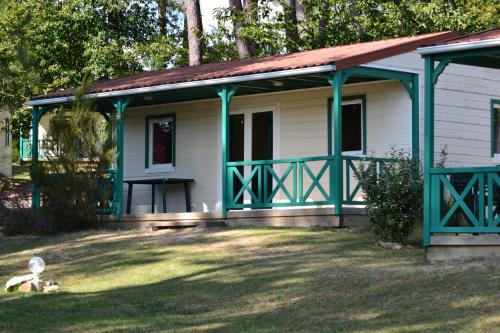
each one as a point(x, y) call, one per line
point(245, 88)
point(479, 49)
point(486, 60)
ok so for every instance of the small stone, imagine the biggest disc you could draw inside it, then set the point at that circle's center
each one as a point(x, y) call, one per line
point(391, 246)
point(51, 283)
point(27, 287)
point(51, 289)
point(47, 283)
point(13, 283)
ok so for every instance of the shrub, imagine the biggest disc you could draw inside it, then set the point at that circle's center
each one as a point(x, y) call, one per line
point(16, 215)
point(393, 195)
point(78, 158)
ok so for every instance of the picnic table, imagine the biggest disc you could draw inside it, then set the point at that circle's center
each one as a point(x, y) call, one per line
point(163, 182)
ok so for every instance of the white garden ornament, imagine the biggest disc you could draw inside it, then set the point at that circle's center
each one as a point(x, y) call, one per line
point(36, 265)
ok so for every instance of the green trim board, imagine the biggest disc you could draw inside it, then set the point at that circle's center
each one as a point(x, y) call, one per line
point(362, 98)
point(410, 83)
point(428, 147)
point(36, 115)
point(120, 105)
point(494, 104)
point(146, 136)
point(226, 93)
point(379, 73)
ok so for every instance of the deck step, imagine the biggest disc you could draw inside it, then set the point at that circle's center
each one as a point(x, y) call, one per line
point(454, 247)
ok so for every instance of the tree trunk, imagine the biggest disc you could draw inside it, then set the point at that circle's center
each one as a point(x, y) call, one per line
point(322, 22)
point(292, 31)
point(192, 13)
point(251, 7)
point(452, 4)
point(162, 17)
point(354, 13)
point(300, 13)
point(243, 46)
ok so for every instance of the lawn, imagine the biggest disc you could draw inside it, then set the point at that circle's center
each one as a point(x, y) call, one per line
point(245, 280)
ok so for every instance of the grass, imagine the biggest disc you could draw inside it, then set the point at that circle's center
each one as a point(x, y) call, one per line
point(21, 172)
point(245, 280)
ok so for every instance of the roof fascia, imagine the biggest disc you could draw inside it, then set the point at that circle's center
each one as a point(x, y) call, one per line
point(466, 46)
point(191, 84)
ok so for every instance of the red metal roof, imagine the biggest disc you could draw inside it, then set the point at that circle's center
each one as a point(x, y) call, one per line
point(476, 37)
point(343, 56)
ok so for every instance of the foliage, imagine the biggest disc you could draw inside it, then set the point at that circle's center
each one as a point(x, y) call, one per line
point(16, 215)
point(49, 44)
point(393, 195)
point(72, 181)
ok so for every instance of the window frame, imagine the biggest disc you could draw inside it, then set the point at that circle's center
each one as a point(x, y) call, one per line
point(494, 104)
point(148, 163)
point(346, 100)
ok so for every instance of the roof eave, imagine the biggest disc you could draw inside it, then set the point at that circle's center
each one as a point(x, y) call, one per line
point(466, 46)
point(190, 84)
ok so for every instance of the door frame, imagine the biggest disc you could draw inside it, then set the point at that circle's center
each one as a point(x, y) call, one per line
point(247, 111)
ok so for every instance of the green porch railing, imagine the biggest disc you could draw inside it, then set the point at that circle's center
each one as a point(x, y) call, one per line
point(261, 182)
point(106, 204)
point(255, 184)
point(465, 200)
point(25, 149)
point(352, 188)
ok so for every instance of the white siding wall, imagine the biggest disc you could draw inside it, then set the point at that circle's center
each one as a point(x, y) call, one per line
point(462, 109)
point(196, 155)
point(463, 97)
point(303, 132)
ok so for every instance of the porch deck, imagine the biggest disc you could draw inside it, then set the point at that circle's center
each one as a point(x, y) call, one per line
point(300, 217)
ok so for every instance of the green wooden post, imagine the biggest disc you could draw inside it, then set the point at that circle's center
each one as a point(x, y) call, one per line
point(225, 92)
point(428, 146)
point(120, 105)
point(35, 191)
point(336, 178)
point(415, 103)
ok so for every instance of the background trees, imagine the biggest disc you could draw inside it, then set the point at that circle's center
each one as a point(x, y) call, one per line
point(51, 44)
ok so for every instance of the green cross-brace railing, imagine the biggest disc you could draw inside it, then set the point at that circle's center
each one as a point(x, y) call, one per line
point(434, 67)
point(280, 183)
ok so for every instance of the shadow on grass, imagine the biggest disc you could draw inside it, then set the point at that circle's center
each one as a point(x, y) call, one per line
point(298, 281)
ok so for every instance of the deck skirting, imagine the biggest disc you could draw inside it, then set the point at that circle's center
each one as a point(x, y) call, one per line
point(454, 247)
point(303, 217)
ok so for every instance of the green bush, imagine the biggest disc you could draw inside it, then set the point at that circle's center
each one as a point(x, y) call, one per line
point(393, 195)
point(78, 159)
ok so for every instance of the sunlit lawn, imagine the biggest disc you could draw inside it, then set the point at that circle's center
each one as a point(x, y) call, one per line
point(245, 280)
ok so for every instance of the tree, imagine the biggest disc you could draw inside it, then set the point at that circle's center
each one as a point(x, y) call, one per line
point(75, 182)
point(243, 45)
point(292, 31)
point(162, 19)
point(194, 30)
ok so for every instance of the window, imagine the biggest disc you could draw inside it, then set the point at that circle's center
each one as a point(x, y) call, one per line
point(495, 129)
point(160, 141)
point(353, 124)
